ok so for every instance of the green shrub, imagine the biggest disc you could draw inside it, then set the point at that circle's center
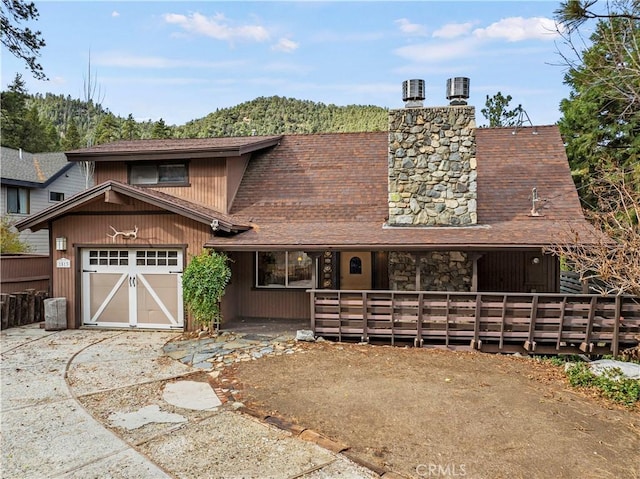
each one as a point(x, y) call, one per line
point(203, 283)
point(611, 384)
point(10, 239)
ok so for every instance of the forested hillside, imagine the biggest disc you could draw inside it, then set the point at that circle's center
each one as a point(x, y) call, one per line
point(51, 122)
point(275, 115)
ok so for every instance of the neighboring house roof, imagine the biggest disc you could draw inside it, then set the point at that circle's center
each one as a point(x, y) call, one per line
point(33, 170)
point(330, 190)
point(162, 200)
point(174, 148)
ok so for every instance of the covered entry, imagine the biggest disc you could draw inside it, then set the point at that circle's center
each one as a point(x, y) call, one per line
point(132, 288)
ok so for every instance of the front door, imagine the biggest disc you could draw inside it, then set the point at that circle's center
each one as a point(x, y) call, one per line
point(355, 270)
point(132, 288)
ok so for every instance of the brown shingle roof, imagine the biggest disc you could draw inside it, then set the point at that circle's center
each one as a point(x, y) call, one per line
point(185, 148)
point(331, 190)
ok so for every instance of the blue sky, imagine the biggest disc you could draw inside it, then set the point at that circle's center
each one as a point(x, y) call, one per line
point(181, 60)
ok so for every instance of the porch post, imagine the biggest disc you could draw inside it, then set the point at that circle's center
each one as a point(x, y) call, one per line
point(474, 278)
point(418, 257)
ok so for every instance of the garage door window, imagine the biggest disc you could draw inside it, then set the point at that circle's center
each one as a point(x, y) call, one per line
point(156, 258)
point(108, 258)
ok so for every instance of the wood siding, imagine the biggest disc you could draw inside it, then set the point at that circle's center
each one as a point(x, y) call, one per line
point(516, 271)
point(207, 181)
point(235, 171)
point(243, 300)
point(87, 228)
point(24, 272)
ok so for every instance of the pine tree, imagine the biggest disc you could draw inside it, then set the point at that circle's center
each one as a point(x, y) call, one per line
point(161, 130)
point(108, 129)
point(14, 109)
point(71, 140)
point(130, 129)
point(497, 111)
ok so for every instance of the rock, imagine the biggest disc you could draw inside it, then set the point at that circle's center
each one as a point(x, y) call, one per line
point(305, 335)
point(629, 370)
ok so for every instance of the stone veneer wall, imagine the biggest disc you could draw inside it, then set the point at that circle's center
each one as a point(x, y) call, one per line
point(432, 167)
point(439, 271)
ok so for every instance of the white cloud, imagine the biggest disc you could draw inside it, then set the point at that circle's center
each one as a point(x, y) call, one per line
point(218, 27)
point(453, 30)
point(285, 45)
point(438, 52)
point(409, 28)
point(126, 60)
point(514, 29)
point(115, 13)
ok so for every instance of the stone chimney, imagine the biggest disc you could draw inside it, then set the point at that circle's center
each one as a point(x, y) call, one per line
point(432, 166)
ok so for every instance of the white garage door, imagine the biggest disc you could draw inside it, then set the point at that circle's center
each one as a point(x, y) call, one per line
point(132, 288)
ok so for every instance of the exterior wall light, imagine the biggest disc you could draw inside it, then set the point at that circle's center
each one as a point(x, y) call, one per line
point(61, 243)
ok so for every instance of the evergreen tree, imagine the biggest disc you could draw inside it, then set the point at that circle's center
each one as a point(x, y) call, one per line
point(21, 42)
point(601, 118)
point(14, 108)
point(130, 129)
point(71, 140)
point(497, 111)
point(161, 130)
point(33, 136)
point(108, 129)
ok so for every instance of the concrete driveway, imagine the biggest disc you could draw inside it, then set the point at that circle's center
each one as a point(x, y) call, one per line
point(47, 432)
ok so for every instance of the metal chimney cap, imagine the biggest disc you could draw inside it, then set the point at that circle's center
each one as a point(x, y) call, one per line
point(458, 90)
point(413, 92)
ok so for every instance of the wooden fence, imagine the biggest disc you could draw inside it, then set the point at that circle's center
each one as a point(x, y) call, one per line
point(21, 308)
point(22, 272)
point(493, 322)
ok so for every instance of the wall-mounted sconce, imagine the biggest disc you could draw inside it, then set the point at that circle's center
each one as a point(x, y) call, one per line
point(535, 260)
point(61, 244)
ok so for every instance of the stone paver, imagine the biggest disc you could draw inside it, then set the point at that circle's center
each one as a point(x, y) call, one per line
point(229, 347)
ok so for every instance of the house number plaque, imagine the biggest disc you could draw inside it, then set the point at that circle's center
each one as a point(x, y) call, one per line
point(63, 263)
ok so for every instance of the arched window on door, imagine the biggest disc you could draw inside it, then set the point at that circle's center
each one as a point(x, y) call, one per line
point(355, 265)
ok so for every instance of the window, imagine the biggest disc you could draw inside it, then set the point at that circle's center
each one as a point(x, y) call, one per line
point(283, 269)
point(55, 196)
point(17, 200)
point(109, 257)
point(355, 265)
point(157, 258)
point(158, 173)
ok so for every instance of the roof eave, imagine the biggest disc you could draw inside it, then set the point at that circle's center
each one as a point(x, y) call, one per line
point(371, 247)
point(169, 154)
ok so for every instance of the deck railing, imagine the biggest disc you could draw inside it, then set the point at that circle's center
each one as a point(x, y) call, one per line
point(498, 322)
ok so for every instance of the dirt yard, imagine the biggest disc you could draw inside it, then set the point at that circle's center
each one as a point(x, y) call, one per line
point(430, 413)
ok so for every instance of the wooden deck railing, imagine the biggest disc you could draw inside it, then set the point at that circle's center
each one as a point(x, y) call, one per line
point(498, 322)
